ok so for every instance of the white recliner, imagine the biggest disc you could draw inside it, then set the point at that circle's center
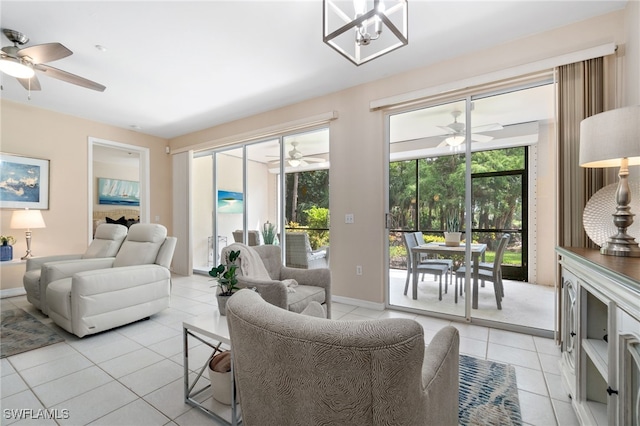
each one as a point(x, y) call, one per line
point(134, 285)
point(106, 243)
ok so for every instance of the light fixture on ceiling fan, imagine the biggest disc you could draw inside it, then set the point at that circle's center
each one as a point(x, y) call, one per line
point(296, 159)
point(16, 67)
point(458, 134)
point(372, 20)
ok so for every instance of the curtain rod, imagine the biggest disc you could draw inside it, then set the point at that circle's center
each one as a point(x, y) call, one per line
point(531, 68)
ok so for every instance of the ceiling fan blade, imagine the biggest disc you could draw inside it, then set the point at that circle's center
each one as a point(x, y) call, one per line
point(448, 130)
point(481, 138)
point(70, 78)
point(487, 128)
point(32, 83)
point(314, 160)
point(48, 52)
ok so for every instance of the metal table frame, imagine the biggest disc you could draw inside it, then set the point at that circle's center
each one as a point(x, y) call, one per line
point(477, 251)
point(217, 333)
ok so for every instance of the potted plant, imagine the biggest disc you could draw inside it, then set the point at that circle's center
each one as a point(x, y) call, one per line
point(269, 233)
point(452, 233)
point(225, 274)
point(6, 249)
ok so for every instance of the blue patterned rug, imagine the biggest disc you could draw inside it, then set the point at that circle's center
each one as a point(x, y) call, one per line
point(22, 332)
point(488, 393)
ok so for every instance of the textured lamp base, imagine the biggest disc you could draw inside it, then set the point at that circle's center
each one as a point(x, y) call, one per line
point(28, 238)
point(621, 245)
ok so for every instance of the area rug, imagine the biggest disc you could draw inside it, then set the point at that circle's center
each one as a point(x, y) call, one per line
point(22, 332)
point(488, 393)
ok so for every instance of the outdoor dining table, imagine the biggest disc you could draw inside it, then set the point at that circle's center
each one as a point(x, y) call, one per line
point(477, 252)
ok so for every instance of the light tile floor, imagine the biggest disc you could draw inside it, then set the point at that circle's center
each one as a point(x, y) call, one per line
point(133, 375)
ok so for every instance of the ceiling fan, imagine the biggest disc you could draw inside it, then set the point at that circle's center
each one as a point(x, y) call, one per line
point(456, 131)
point(296, 159)
point(22, 63)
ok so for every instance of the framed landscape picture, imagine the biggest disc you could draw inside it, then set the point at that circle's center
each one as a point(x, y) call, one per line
point(230, 202)
point(118, 192)
point(24, 182)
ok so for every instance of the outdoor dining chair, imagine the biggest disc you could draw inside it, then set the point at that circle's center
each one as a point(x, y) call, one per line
point(416, 267)
point(493, 274)
point(424, 258)
point(502, 246)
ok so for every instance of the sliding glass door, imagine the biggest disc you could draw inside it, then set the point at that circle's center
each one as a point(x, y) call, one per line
point(443, 171)
point(240, 194)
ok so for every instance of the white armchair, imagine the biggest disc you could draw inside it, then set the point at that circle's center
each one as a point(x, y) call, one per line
point(84, 298)
point(106, 243)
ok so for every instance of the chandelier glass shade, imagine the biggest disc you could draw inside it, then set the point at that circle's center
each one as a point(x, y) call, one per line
point(362, 30)
point(16, 67)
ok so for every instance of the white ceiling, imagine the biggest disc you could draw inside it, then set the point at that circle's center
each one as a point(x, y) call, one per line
point(172, 68)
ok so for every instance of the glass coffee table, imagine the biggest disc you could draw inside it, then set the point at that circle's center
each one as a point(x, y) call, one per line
point(213, 331)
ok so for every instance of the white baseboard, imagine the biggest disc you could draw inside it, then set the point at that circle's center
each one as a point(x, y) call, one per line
point(12, 292)
point(359, 303)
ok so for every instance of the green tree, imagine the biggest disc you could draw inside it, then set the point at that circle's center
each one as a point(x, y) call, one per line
point(306, 190)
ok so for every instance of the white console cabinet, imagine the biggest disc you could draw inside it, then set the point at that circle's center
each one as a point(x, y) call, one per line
point(600, 334)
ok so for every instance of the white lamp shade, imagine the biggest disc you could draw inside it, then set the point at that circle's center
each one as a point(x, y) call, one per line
point(608, 137)
point(27, 219)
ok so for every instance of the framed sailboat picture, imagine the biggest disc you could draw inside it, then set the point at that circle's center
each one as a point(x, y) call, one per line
point(24, 182)
point(118, 192)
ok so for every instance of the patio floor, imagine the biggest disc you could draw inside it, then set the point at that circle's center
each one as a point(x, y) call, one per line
point(524, 304)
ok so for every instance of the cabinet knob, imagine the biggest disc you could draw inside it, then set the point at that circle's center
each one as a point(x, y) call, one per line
point(611, 391)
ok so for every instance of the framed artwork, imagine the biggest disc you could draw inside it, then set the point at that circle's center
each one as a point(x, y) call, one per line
point(24, 182)
point(230, 202)
point(118, 192)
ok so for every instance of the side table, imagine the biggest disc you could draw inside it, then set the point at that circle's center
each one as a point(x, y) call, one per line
point(213, 326)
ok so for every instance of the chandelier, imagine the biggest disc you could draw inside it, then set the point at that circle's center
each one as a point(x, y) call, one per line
point(362, 30)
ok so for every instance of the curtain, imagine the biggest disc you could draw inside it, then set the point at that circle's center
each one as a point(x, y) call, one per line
point(580, 95)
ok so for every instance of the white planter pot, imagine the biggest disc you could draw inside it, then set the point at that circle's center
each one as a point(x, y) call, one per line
point(452, 239)
point(221, 386)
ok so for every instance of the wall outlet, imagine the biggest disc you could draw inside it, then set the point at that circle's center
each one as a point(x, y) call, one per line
point(157, 219)
point(348, 218)
point(358, 270)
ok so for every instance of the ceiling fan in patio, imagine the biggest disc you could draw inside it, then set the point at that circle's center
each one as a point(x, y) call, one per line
point(456, 131)
point(22, 63)
point(295, 158)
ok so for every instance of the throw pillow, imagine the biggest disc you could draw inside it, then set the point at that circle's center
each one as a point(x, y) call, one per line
point(121, 221)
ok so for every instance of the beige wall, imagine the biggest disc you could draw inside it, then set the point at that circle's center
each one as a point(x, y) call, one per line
point(63, 140)
point(359, 133)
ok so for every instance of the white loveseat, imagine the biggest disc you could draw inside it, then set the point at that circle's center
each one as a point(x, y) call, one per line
point(134, 285)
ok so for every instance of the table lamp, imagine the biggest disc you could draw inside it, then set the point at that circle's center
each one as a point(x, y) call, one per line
point(612, 139)
point(27, 219)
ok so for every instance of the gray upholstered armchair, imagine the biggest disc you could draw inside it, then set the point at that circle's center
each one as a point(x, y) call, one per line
point(299, 253)
point(292, 369)
point(106, 243)
point(277, 287)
